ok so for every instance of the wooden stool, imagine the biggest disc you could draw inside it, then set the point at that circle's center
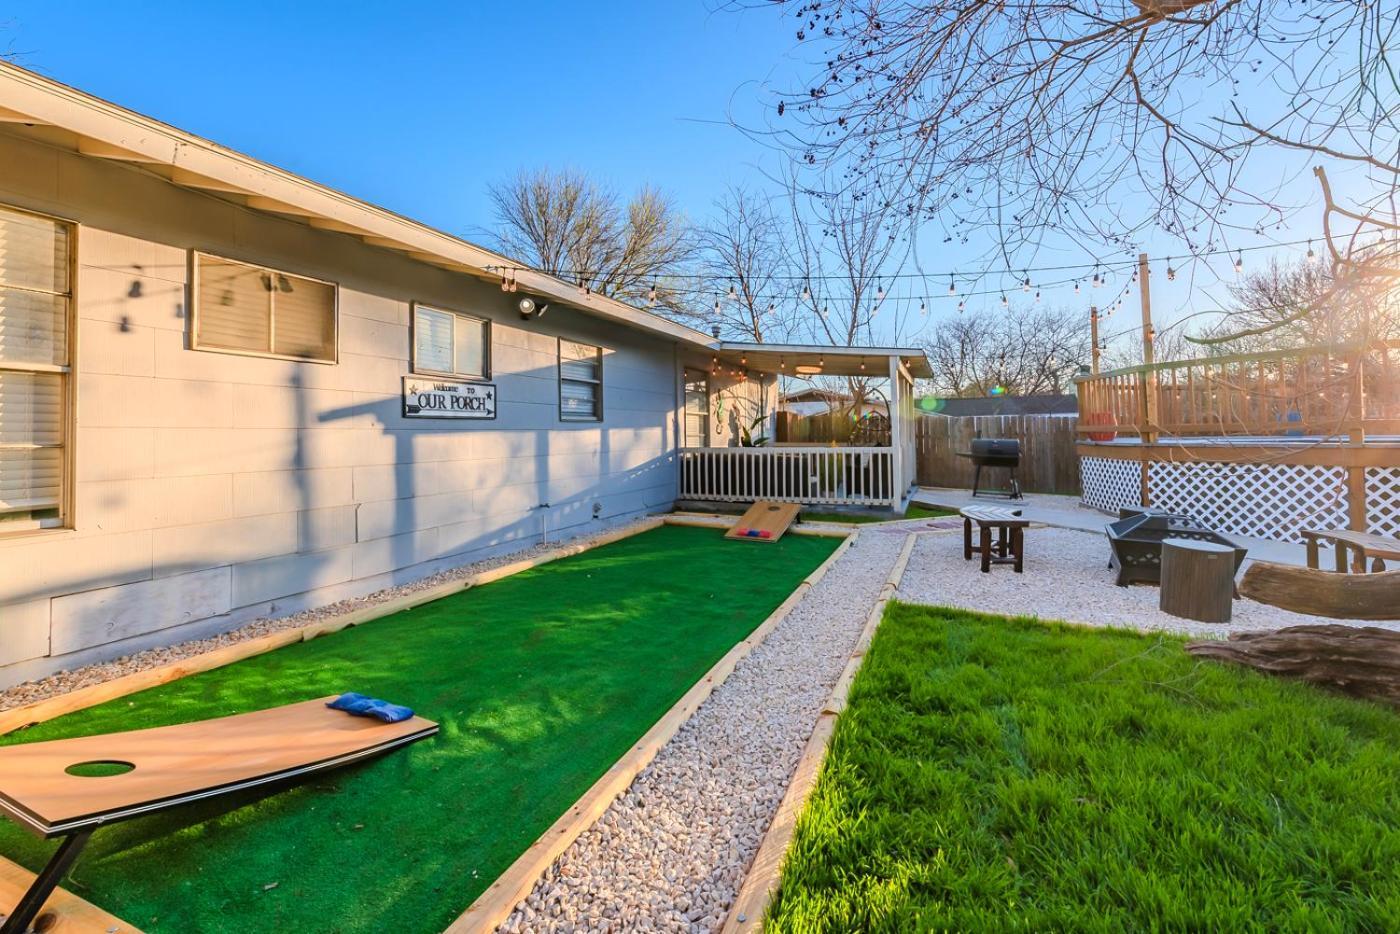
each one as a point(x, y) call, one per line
point(1198, 580)
point(1009, 548)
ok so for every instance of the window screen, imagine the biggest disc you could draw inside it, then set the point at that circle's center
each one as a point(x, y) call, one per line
point(449, 344)
point(580, 381)
point(254, 310)
point(35, 299)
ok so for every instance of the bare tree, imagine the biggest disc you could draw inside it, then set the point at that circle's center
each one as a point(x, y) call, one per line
point(743, 262)
point(567, 225)
point(1035, 352)
point(1068, 115)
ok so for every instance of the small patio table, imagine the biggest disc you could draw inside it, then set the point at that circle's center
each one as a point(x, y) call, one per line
point(1009, 547)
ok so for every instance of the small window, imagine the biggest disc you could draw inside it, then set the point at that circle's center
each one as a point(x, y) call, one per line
point(446, 343)
point(35, 372)
point(254, 310)
point(580, 382)
point(697, 409)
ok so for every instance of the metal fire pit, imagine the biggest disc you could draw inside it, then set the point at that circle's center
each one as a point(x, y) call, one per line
point(1137, 543)
point(995, 452)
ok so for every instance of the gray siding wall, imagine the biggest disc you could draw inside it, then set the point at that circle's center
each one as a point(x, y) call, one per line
point(211, 489)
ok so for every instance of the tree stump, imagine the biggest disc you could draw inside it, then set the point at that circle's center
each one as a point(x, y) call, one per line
point(1198, 580)
point(1363, 661)
point(1323, 593)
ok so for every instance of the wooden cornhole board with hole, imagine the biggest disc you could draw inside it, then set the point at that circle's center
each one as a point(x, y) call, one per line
point(764, 522)
point(69, 787)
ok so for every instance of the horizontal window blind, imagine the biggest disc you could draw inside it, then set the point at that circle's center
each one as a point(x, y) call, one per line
point(580, 381)
point(35, 299)
point(250, 309)
point(448, 343)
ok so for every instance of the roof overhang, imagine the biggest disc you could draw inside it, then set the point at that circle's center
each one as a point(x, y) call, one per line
point(34, 105)
point(784, 359)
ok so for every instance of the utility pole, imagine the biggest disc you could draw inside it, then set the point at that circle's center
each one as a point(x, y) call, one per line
point(1094, 339)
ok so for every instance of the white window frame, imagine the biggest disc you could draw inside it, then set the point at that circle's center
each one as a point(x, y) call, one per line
point(597, 415)
point(67, 375)
point(686, 414)
point(195, 256)
point(485, 323)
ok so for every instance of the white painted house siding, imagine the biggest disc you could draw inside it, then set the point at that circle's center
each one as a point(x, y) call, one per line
point(214, 488)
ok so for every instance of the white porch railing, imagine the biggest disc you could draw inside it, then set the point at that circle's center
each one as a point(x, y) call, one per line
point(810, 475)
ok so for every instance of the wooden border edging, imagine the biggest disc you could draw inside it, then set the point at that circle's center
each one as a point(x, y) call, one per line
point(497, 903)
point(84, 697)
point(63, 912)
point(761, 881)
point(715, 520)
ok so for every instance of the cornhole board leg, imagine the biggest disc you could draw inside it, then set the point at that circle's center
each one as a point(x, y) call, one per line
point(45, 882)
point(764, 516)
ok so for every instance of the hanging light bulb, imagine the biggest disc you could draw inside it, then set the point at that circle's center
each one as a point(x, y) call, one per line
point(1004, 302)
point(1026, 284)
point(1076, 288)
point(716, 306)
point(862, 363)
point(651, 293)
point(1037, 296)
point(879, 291)
point(952, 288)
point(1239, 261)
point(1312, 255)
point(823, 311)
point(962, 305)
point(771, 308)
point(1097, 281)
point(744, 359)
point(732, 294)
point(806, 292)
point(782, 363)
point(1171, 273)
point(923, 307)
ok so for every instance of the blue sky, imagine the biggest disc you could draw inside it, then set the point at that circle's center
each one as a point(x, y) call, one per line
point(419, 109)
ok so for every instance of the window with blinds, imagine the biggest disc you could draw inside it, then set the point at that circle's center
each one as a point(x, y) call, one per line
point(250, 309)
point(697, 409)
point(35, 371)
point(580, 382)
point(446, 343)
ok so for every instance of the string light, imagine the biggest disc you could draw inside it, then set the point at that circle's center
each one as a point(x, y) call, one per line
point(733, 295)
point(962, 305)
point(1171, 273)
point(1097, 281)
point(1004, 302)
point(1026, 284)
point(1076, 287)
point(806, 293)
point(1312, 255)
point(1037, 296)
point(879, 291)
point(772, 308)
point(1239, 261)
point(716, 306)
point(651, 293)
point(923, 306)
point(952, 288)
point(862, 363)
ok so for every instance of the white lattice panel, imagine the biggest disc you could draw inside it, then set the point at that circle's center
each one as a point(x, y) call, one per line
point(1109, 483)
point(1383, 500)
point(1259, 500)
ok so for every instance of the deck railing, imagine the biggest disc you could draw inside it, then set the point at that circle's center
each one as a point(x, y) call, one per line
point(1308, 391)
point(809, 475)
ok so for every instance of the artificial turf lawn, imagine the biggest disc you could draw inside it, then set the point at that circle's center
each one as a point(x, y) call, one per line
point(994, 774)
point(540, 682)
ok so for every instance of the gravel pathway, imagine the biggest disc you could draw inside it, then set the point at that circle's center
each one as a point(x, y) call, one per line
point(62, 682)
point(670, 853)
point(1067, 577)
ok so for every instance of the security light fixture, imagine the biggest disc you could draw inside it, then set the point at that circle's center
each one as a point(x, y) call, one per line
point(531, 307)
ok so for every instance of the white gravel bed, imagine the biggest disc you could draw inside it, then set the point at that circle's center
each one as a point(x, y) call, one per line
point(1066, 577)
point(670, 853)
point(62, 682)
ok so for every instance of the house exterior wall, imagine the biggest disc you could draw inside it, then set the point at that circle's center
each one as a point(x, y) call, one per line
point(212, 488)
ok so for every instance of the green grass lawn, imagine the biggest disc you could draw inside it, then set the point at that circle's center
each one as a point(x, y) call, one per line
point(915, 511)
point(995, 774)
point(540, 682)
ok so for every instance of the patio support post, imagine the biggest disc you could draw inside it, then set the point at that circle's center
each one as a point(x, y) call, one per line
point(896, 434)
point(1148, 385)
point(1356, 438)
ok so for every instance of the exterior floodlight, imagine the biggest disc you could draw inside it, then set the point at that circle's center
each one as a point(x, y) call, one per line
point(532, 307)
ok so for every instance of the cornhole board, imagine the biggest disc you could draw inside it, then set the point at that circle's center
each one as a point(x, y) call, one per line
point(172, 766)
point(764, 522)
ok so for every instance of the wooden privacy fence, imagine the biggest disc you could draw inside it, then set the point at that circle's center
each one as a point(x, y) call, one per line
point(1049, 463)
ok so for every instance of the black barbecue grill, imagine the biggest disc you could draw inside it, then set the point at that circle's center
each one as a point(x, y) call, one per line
point(995, 452)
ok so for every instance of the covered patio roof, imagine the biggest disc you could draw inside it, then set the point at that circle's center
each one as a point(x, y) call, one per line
point(784, 359)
